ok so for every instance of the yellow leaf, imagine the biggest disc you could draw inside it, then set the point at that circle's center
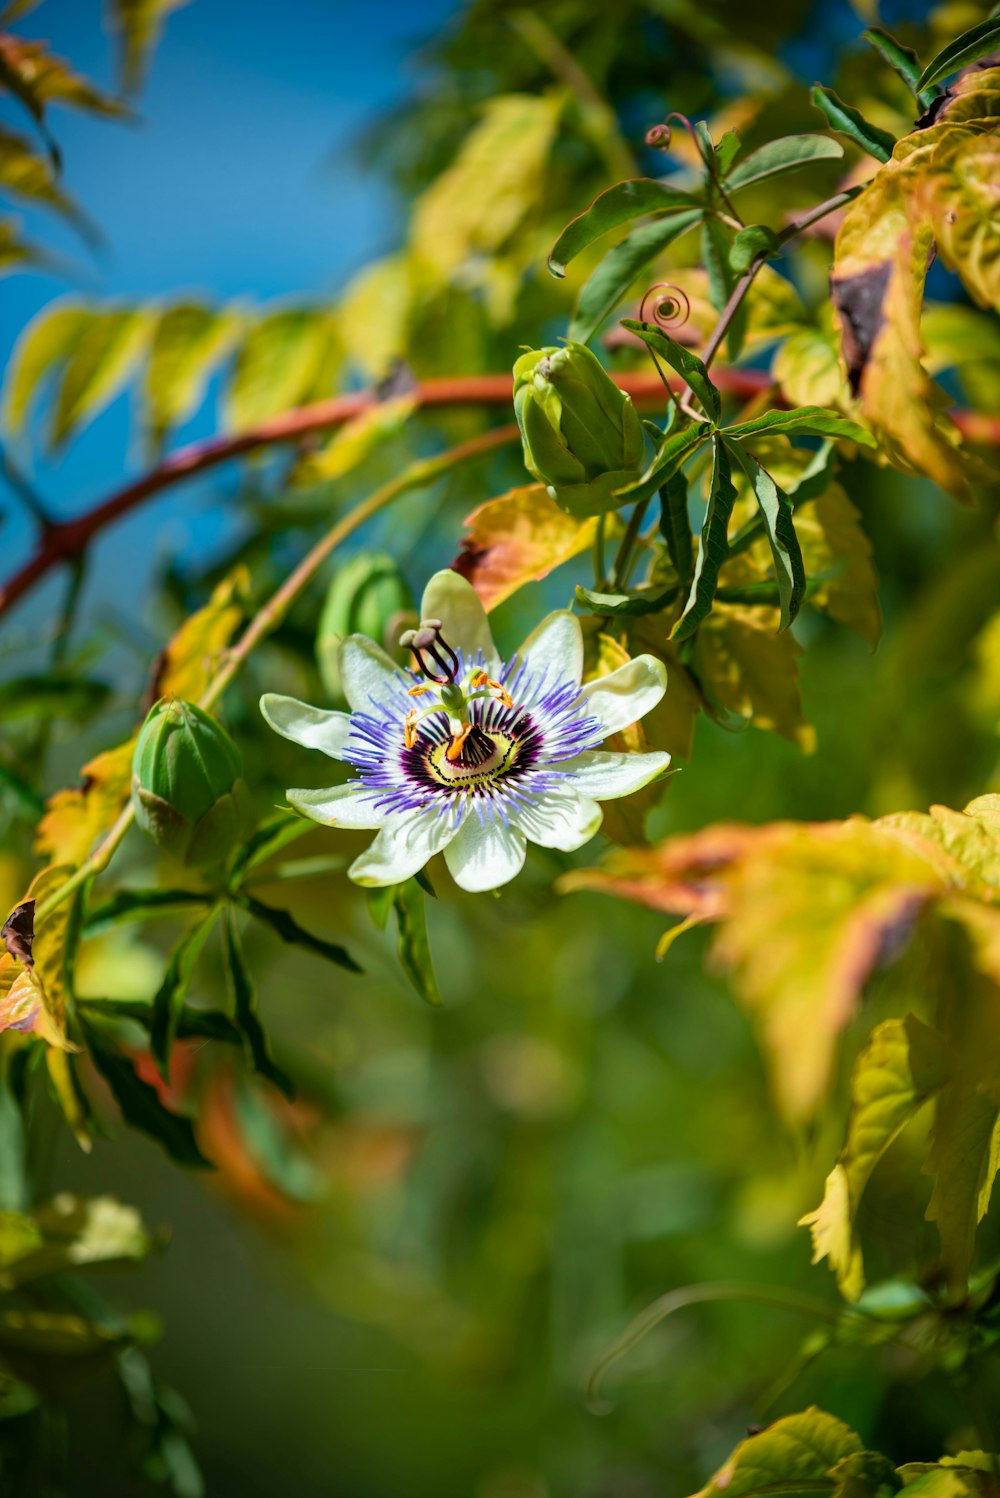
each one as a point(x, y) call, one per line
point(897, 1072)
point(193, 655)
point(746, 668)
point(99, 364)
point(287, 358)
point(961, 194)
point(43, 347)
point(355, 441)
point(516, 539)
point(832, 540)
point(189, 343)
point(496, 180)
point(373, 316)
point(75, 819)
point(63, 1079)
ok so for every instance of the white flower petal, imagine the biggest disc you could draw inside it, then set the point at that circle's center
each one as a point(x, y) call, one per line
point(311, 726)
point(403, 846)
point(561, 819)
point(366, 671)
point(485, 855)
point(556, 647)
point(452, 599)
point(605, 776)
point(624, 696)
point(350, 805)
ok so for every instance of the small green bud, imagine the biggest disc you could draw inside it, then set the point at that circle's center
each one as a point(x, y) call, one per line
point(581, 434)
point(186, 786)
point(368, 596)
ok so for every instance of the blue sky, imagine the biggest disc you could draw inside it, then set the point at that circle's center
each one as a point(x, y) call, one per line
point(238, 179)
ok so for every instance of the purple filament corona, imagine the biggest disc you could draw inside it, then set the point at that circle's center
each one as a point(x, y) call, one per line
point(548, 724)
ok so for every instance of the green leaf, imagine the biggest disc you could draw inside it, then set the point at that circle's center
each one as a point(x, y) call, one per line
point(139, 1102)
point(284, 923)
point(279, 365)
point(101, 361)
point(169, 999)
point(675, 448)
point(903, 60)
point(755, 242)
point(727, 151)
point(619, 204)
point(687, 364)
point(265, 841)
point(786, 554)
point(44, 346)
point(414, 949)
point(623, 605)
point(605, 287)
point(246, 1011)
point(807, 421)
point(901, 1067)
point(783, 155)
point(192, 1024)
point(847, 120)
point(977, 42)
point(791, 1455)
point(142, 905)
point(713, 548)
point(189, 343)
point(675, 525)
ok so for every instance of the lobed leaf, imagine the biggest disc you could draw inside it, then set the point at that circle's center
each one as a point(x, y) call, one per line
point(675, 525)
point(189, 343)
point(98, 366)
point(786, 554)
point(786, 154)
point(44, 346)
point(681, 359)
point(288, 928)
point(713, 547)
point(791, 1455)
point(901, 1068)
point(616, 206)
point(414, 948)
point(628, 605)
point(610, 281)
point(140, 1103)
point(807, 421)
point(518, 538)
point(246, 1010)
point(978, 41)
point(847, 120)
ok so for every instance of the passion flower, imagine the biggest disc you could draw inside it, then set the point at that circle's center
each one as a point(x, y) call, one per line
point(469, 754)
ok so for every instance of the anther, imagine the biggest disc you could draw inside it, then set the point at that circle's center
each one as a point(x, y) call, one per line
point(455, 747)
point(410, 728)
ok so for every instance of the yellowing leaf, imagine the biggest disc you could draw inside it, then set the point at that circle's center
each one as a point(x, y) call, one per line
point(807, 368)
point(356, 441)
point(99, 363)
point(63, 1078)
point(38, 77)
point(45, 344)
point(138, 24)
point(373, 316)
point(75, 819)
point(746, 668)
point(496, 180)
point(899, 1069)
point(961, 193)
point(788, 1456)
point(971, 838)
point(833, 541)
point(517, 539)
point(281, 363)
point(189, 343)
point(193, 655)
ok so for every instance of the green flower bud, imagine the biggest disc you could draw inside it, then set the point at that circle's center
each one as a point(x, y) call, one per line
point(186, 786)
point(368, 596)
point(582, 436)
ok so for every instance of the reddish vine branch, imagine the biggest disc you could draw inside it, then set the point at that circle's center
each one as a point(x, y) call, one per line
point(63, 541)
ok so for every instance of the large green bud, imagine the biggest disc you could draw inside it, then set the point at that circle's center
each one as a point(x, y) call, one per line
point(368, 596)
point(186, 786)
point(582, 436)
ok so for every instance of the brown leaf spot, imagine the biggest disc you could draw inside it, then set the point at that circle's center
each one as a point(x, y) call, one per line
point(859, 301)
point(18, 932)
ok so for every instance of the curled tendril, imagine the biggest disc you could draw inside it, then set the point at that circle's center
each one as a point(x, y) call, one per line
point(669, 307)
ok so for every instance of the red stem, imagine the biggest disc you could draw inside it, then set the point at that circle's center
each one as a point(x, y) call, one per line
point(65, 540)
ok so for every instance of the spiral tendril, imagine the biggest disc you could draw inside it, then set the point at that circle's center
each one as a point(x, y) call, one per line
point(669, 308)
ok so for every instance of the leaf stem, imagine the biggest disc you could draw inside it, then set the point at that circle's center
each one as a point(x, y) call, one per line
point(623, 560)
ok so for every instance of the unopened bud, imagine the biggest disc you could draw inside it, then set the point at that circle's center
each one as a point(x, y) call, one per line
point(186, 786)
point(368, 596)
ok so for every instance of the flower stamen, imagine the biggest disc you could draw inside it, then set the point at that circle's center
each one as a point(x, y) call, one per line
point(429, 640)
